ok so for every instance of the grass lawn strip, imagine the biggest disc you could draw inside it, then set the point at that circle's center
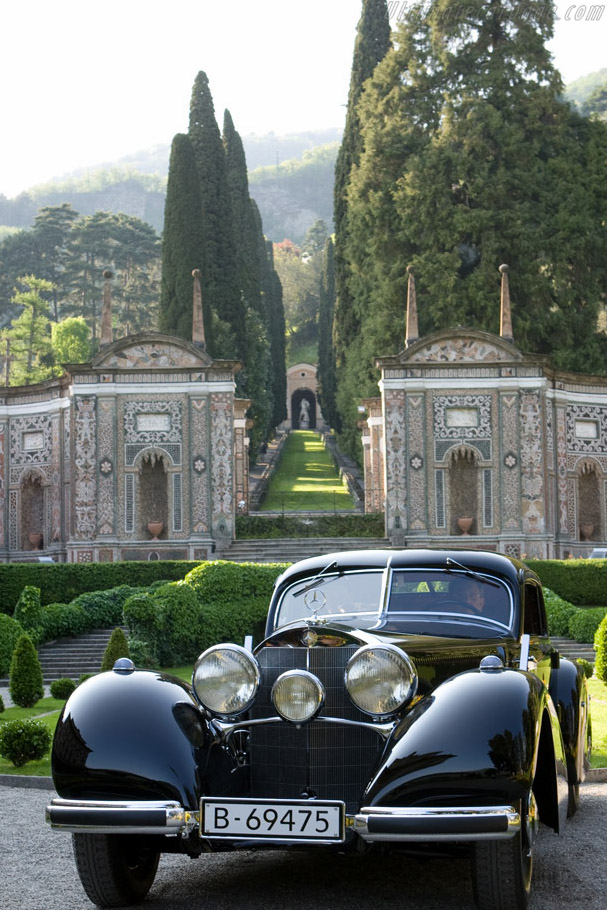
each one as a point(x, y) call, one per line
point(306, 478)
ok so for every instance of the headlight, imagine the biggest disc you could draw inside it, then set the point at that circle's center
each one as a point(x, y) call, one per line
point(297, 695)
point(225, 679)
point(380, 679)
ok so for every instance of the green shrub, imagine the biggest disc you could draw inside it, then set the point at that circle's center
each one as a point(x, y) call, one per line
point(586, 666)
point(1, 704)
point(25, 683)
point(558, 613)
point(24, 740)
point(177, 607)
point(600, 645)
point(117, 647)
point(232, 582)
point(83, 678)
point(62, 582)
point(584, 623)
point(62, 688)
point(257, 526)
point(231, 623)
point(10, 630)
point(62, 621)
point(143, 654)
point(140, 616)
point(104, 608)
point(28, 611)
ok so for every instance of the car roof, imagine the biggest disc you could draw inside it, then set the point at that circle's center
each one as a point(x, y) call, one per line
point(475, 560)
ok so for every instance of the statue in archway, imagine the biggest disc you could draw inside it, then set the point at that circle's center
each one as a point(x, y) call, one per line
point(304, 414)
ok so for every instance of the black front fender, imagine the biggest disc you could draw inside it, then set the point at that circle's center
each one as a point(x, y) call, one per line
point(135, 735)
point(474, 740)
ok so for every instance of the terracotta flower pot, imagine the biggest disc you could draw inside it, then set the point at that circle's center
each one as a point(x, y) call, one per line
point(586, 531)
point(155, 528)
point(35, 538)
point(464, 524)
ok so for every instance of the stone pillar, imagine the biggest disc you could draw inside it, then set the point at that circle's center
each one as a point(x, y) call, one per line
point(374, 456)
point(241, 455)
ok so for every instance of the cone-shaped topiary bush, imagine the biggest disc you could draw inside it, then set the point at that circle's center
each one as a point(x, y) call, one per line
point(600, 646)
point(25, 674)
point(24, 740)
point(117, 647)
point(10, 630)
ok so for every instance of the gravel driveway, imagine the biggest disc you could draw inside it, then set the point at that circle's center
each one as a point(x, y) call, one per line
point(37, 871)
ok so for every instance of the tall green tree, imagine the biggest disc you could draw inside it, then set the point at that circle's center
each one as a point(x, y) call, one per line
point(71, 341)
point(326, 350)
point(219, 270)
point(371, 45)
point(27, 343)
point(182, 244)
point(471, 158)
point(52, 231)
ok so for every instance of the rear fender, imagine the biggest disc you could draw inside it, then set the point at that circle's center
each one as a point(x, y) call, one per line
point(569, 692)
point(475, 739)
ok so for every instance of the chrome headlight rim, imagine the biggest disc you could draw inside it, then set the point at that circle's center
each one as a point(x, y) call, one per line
point(396, 654)
point(299, 674)
point(244, 655)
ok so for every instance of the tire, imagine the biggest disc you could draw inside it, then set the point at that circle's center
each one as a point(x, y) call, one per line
point(502, 869)
point(116, 870)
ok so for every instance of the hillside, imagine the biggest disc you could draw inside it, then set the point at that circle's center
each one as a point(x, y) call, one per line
point(291, 193)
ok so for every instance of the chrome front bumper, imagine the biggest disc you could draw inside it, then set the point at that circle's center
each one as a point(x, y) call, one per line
point(431, 823)
point(120, 816)
point(373, 824)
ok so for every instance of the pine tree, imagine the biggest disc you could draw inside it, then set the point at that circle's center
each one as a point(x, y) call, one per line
point(182, 244)
point(30, 356)
point(219, 270)
point(471, 158)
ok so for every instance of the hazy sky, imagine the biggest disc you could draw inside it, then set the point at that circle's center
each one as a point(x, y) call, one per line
point(85, 82)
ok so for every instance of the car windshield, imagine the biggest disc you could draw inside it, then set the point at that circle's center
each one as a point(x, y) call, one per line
point(418, 599)
point(354, 597)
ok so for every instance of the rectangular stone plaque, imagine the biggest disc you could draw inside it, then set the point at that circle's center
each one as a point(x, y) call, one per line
point(587, 429)
point(33, 440)
point(461, 417)
point(153, 423)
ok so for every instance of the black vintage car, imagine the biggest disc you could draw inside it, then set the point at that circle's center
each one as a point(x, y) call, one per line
point(400, 698)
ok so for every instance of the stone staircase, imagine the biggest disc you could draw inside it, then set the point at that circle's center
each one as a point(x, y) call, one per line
point(292, 549)
point(72, 656)
point(573, 649)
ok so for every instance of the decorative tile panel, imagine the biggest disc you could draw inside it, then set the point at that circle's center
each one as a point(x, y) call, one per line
point(31, 440)
point(222, 505)
point(532, 462)
point(416, 475)
point(396, 495)
point(199, 480)
point(587, 429)
point(85, 468)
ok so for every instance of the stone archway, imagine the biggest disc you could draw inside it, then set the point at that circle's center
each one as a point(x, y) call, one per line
point(299, 409)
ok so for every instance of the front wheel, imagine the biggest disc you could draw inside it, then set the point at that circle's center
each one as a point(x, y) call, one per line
point(502, 869)
point(115, 869)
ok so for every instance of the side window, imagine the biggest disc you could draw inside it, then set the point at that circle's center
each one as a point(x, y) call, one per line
point(534, 623)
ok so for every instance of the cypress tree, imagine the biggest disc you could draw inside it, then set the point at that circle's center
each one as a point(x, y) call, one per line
point(219, 269)
point(326, 351)
point(182, 248)
point(371, 45)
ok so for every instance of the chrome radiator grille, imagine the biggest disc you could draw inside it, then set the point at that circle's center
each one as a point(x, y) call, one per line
point(330, 760)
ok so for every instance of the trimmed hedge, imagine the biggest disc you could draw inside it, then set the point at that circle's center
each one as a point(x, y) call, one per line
point(63, 582)
point(558, 613)
point(10, 630)
point(62, 688)
point(258, 527)
point(580, 581)
point(584, 624)
point(227, 582)
point(600, 645)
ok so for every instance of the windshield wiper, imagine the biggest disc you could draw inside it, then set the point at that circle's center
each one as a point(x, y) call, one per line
point(471, 573)
point(316, 580)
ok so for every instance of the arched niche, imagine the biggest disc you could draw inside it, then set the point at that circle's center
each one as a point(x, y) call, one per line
point(32, 525)
point(152, 495)
point(589, 512)
point(299, 410)
point(463, 486)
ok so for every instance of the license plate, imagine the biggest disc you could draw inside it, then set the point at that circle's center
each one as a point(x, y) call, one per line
point(294, 820)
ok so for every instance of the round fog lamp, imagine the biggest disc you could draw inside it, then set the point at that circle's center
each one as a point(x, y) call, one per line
point(297, 696)
point(380, 679)
point(225, 679)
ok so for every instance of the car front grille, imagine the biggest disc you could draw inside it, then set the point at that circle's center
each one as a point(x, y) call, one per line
point(330, 761)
